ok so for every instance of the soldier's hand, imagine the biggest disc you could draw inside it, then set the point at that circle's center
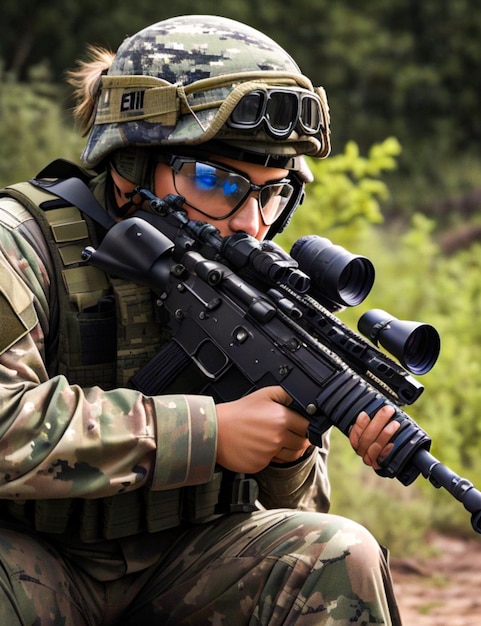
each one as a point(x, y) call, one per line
point(370, 437)
point(258, 429)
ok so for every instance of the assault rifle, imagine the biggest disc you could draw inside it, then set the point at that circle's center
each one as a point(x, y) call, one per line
point(247, 315)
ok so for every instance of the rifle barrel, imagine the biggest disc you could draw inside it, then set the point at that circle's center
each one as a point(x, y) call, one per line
point(460, 488)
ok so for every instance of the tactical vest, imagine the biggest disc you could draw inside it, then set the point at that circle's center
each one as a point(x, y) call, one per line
point(107, 330)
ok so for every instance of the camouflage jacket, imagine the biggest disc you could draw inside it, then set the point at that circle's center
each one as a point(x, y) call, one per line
point(59, 441)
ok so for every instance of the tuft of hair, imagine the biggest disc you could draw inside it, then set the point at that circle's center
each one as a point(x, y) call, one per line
point(85, 79)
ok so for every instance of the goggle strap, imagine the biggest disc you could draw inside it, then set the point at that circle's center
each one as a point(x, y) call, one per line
point(133, 98)
point(225, 109)
point(163, 102)
point(187, 108)
point(273, 78)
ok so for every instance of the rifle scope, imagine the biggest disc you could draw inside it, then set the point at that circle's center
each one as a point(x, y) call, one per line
point(337, 276)
point(414, 344)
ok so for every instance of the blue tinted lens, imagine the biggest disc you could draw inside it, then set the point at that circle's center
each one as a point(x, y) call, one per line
point(209, 178)
point(205, 177)
point(230, 188)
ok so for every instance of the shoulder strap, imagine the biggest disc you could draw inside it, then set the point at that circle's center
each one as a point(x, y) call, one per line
point(69, 182)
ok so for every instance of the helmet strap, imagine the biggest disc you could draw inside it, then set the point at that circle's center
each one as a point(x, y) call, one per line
point(127, 201)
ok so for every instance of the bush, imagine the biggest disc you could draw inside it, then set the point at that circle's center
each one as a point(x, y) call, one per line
point(415, 281)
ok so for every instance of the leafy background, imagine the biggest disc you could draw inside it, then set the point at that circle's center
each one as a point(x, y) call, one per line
point(402, 185)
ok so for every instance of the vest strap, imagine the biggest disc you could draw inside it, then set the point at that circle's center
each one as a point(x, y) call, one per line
point(75, 192)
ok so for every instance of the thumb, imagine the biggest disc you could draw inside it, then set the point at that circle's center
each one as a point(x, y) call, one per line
point(279, 395)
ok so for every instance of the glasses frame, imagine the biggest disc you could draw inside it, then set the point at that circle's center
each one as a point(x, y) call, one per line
point(177, 162)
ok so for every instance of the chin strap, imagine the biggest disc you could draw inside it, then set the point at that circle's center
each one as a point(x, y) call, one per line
point(127, 200)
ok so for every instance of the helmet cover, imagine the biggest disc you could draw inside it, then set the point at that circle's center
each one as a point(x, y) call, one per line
point(175, 83)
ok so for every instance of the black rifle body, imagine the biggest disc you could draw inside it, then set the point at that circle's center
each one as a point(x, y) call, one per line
point(242, 338)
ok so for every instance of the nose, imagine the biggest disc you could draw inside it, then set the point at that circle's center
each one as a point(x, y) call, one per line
point(247, 218)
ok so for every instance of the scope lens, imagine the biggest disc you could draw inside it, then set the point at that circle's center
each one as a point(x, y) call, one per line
point(355, 281)
point(337, 275)
point(414, 344)
point(421, 349)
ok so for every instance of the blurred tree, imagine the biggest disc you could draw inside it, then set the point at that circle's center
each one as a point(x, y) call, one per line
point(346, 194)
point(402, 68)
point(34, 126)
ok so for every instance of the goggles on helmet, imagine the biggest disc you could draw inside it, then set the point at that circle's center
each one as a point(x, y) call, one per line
point(218, 191)
point(149, 111)
point(279, 110)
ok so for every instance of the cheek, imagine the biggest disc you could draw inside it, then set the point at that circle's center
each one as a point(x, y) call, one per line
point(163, 181)
point(262, 232)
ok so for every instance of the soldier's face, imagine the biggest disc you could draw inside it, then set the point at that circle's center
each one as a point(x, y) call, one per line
point(213, 193)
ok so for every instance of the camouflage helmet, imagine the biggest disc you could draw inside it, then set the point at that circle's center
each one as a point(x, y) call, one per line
point(177, 82)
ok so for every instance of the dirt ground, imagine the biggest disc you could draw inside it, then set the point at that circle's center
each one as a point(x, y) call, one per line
point(443, 590)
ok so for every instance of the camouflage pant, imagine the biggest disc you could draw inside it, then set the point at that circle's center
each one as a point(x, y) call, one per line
point(268, 568)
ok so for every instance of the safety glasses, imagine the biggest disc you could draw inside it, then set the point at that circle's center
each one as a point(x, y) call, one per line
point(280, 110)
point(218, 191)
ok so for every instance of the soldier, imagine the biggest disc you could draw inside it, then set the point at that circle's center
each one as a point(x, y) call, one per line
point(123, 508)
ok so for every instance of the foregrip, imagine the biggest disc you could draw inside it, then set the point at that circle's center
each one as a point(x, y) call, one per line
point(342, 399)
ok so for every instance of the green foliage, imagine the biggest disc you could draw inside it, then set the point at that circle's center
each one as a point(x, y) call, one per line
point(346, 193)
point(414, 280)
point(406, 69)
point(33, 127)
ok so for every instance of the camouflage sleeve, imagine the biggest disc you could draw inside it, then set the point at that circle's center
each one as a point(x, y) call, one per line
point(57, 440)
point(303, 485)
